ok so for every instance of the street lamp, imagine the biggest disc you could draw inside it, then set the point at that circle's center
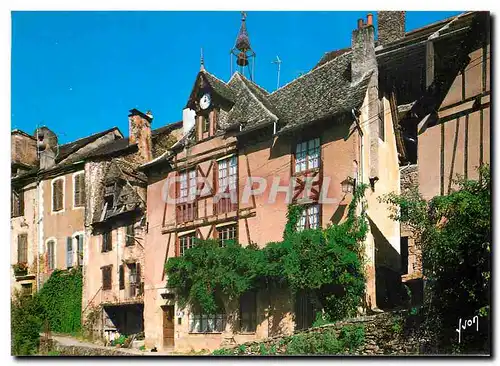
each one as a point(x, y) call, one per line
point(348, 185)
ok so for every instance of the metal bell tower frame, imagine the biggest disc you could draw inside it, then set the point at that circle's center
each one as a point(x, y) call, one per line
point(242, 51)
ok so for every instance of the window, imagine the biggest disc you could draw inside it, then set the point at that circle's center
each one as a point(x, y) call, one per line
point(130, 235)
point(69, 252)
point(226, 233)
point(186, 242)
point(79, 189)
point(27, 289)
point(17, 203)
point(207, 323)
point(309, 218)
point(307, 155)
point(227, 175)
point(57, 195)
point(134, 278)
point(106, 278)
point(79, 255)
point(187, 209)
point(248, 312)
point(404, 255)
point(121, 277)
point(205, 124)
point(107, 242)
point(381, 124)
point(51, 254)
point(22, 248)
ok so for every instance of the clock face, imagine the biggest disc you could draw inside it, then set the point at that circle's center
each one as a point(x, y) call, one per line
point(205, 101)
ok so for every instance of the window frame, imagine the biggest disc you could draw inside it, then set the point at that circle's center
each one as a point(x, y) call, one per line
point(130, 235)
point(25, 248)
point(53, 252)
point(226, 228)
point(69, 242)
point(252, 326)
point(76, 244)
point(218, 321)
point(17, 206)
point(105, 245)
point(77, 176)
point(307, 157)
point(186, 208)
point(110, 269)
point(63, 207)
point(180, 250)
point(121, 277)
point(307, 224)
point(225, 204)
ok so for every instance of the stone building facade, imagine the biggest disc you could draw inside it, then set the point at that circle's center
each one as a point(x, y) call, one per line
point(115, 227)
point(324, 127)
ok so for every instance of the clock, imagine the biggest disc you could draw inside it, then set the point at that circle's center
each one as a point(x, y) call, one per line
point(205, 101)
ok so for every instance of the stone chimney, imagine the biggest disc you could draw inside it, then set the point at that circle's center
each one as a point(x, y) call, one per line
point(391, 26)
point(48, 148)
point(363, 49)
point(363, 61)
point(140, 133)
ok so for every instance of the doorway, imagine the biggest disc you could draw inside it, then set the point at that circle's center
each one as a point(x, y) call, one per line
point(168, 326)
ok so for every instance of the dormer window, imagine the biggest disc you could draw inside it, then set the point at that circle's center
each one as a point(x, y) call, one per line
point(205, 123)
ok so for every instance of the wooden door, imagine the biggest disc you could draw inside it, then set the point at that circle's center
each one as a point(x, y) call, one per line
point(168, 326)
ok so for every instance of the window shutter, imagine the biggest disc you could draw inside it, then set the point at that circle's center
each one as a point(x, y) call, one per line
point(121, 278)
point(69, 252)
point(57, 199)
point(21, 203)
point(79, 255)
point(138, 271)
point(22, 248)
point(77, 190)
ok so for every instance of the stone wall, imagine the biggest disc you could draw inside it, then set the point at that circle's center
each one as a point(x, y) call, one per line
point(391, 333)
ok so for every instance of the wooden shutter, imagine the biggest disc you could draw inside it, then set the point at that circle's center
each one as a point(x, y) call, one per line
point(50, 254)
point(121, 277)
point(79, 190)
point(138, 275)
point(106, 278)
point(80, 250)
point(69, 252)
point(130, 235)
point(22, 248)
point(58, 194)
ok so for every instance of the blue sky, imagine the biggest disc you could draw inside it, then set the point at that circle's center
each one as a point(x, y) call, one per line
point(81, 72)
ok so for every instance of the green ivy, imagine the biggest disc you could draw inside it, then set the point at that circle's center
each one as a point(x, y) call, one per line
point(61, 301)
point(325, 263)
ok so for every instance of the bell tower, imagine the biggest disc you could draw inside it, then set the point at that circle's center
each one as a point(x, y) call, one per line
point(242, 52)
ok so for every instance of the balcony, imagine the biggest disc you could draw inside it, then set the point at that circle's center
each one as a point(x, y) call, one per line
point(186, 212)
point(20, 269)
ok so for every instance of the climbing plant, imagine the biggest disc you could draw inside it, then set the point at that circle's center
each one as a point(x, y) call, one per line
point(326, 263)
point(61, 301)
point(453, 232)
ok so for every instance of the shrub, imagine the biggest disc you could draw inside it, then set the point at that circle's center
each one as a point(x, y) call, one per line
point(25, 326)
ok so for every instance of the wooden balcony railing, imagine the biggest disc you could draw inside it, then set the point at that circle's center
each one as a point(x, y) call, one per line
point(224, 205)
point(186, 212)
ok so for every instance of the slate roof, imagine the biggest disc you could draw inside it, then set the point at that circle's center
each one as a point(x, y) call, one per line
point(323, 92)
point(218, 86)
point(71, 147)
point(122, 145)
point(329, 56)
point(250, 109)
point(166, 129)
